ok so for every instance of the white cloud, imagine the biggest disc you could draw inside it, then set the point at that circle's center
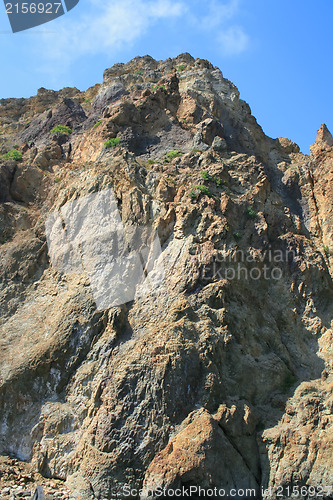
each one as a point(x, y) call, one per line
point(233, 40)
point(108, 26)
point(220, 19)
point(166, 8)
point(219, 13)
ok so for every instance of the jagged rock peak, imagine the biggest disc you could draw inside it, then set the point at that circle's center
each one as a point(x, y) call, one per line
point(324, 141)
point(147, 63)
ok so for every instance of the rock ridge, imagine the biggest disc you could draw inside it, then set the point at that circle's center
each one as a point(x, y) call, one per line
point(222, 377)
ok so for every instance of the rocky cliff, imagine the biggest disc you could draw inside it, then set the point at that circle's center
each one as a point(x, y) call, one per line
point(219, 375)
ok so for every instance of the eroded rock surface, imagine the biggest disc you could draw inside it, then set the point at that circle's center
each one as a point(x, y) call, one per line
point(222, 375)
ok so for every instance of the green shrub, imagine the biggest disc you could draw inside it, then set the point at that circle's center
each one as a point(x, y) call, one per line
point(218, 181)
point(237, 236)
point(173, 154)
point(192, 194)
point(97, 123)
point(197, 151)
point(202, 189)
point(13, 154)
point(181, 67)
point(62, 129)
point(154, 88)
point(111, 143)
point(138, 72)
point(87, 101)
point(251, 213)
point(206, 176)
point(327, 251)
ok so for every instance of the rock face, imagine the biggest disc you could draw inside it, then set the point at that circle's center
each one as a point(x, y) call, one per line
point(220, 376)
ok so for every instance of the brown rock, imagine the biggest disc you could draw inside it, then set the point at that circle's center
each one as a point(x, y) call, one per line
point(324, 141)
point(220, 376)
point(26, 183)
point(191, 457)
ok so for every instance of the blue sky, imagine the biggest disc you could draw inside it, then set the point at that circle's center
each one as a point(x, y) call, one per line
point(278, 53)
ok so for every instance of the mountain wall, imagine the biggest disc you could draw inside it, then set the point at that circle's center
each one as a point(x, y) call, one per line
point(219, 375)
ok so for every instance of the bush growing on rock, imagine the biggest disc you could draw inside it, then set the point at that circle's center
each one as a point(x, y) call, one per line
point(154, 88)
point(173, 154)
point(203, 190)
point(199, 189)
point(61, 129)
point(219, 182)
point(13, 154)
point(206, 176)
point(251, 213)
point(111, 143)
